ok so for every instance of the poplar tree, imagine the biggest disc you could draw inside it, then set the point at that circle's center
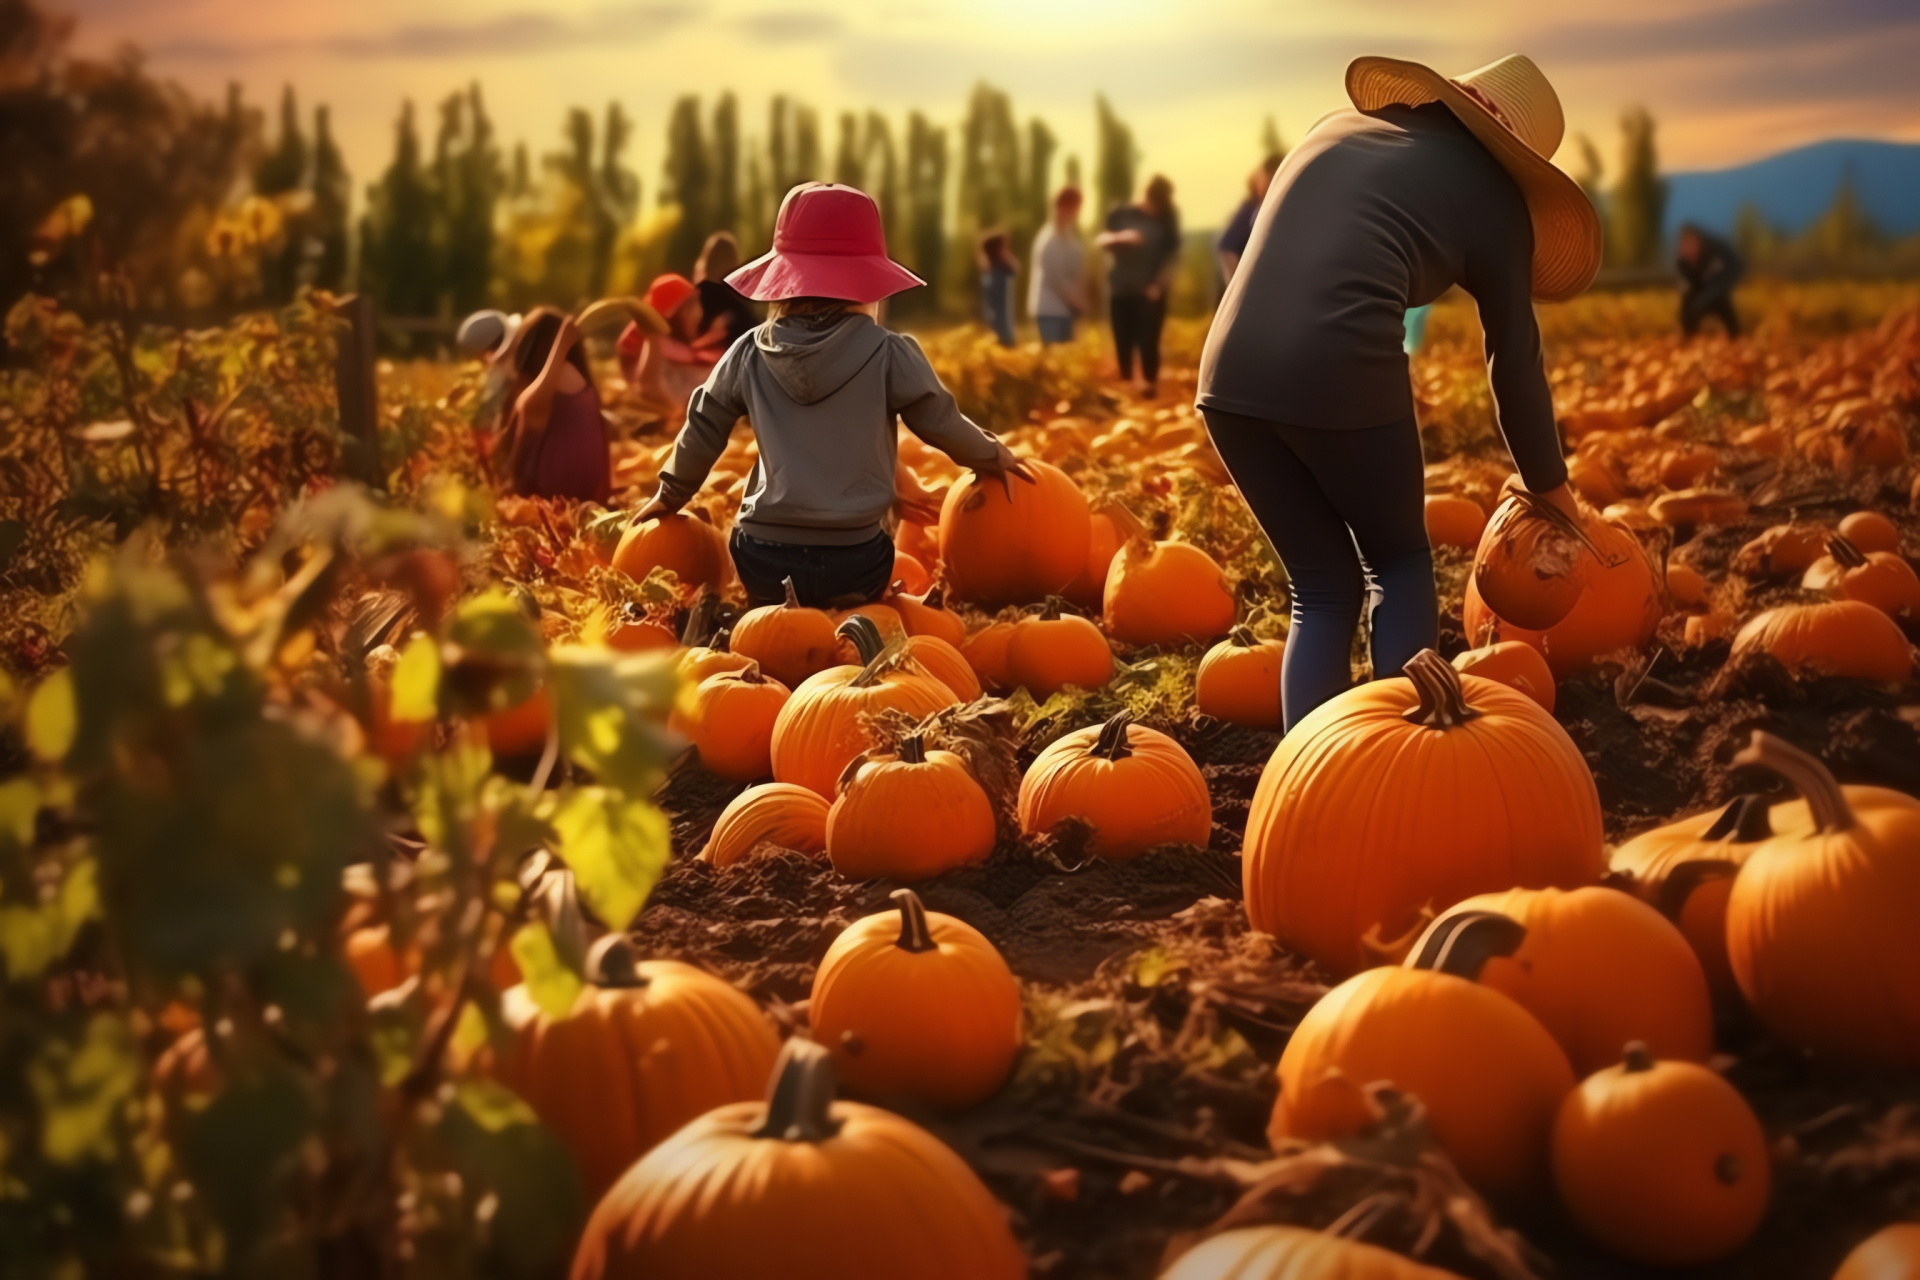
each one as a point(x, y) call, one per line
point(926, 181)
point(332, 193)
point(689, 184)
point(396, 240)
point(1114, 160)
point(724, 211)
point(1639, 201)
point(849, 167)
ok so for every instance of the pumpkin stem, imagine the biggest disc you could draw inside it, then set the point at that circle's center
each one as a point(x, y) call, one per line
point(793, 594)
point(1808, 776)
point(1242, 637)
point(1683, 879)
point(1126, 523)
point(611, 962)
point(1443, 699)
point(800, 1097)
point(751, 674)
point(1636, 1057)
point(722, 641)
point(1112, 742)
point(1843, 551)
point(936, 597)
point(1461, 942)
point(864, 634)
point(1745, 821)
point(913, 748)
point(1054, 608)
point(914, 934)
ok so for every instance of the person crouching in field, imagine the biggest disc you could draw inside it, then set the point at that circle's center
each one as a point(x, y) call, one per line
point(822, 383)
point(664, 368)
point(555, 439)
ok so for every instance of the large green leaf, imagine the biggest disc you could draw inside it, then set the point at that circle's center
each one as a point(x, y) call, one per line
point(616, 847)
point(34, 937)
point(523, 1175)
point(416, 681)
point(611, 710)
point(553, 986)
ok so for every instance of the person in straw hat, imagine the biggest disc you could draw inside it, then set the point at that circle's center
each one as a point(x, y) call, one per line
point(1427, 183)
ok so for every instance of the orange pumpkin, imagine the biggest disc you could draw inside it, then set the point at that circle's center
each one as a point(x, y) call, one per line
point(687, 545)
point(519, 730)
point(1489, 1075)
point(1134, 786)
point(370, 954)
point(1879, 578)
point(1686, 586)
point(883, 616)
point(927, 615)
point(1685, 870)
point(647, 1047)
point(915, 1004)
point(823, 727)
point(1293, 1253)
point(1164, 593)
point(1453, 521)
point(1892, 1253)
point(944, 663)
point(1404, 794)
point(918, 541)
point(1013, 543)
point(1620, 607)
point(1843, 638)
point(1688, 507)
point(1103, 543)
point(908, 816)
point(730, 720)
point(1598, 968)
point(856, 1191)
point(909, 575)
point(1782, 551)
point(1870, 531)
point(1527, 565)
point(1239, 680)
point(1052, 650)
point(1516, 665)
point(1820, 922)
point(986, 652)
point(776, 813)
point(711, 659)
point(789, 641)
point(628, 629)
point(1663, 1163)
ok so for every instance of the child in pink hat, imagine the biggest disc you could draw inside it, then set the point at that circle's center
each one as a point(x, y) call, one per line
point(822, 382)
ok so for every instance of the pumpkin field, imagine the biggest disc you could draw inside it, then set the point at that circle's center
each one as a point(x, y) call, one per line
point(408, 879)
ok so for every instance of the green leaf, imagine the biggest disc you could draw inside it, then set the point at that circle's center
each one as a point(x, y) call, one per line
point(32, 938)
point(611, 710)
point(239, 1151)
point(51, 717)
point(616, 847)
point(416, 681)
point(394, 1037)
point(79, 1088)
point(19, 807)
point(553, 986)
point(524, 1176)
point(493, 623)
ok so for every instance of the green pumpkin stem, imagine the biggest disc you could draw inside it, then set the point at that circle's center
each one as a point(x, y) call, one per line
point(1112, 743)
point(1461, 942)
point(1845, 553)
point(1805, 774)
point(800, 1098)
point(915, 936)
point(1636, 1057)
point(1443, 699)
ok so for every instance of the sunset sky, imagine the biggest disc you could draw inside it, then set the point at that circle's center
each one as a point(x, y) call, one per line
point(1728, 80)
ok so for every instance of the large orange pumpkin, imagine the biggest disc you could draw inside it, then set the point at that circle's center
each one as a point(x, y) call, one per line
point(928, 615)
point(1841, 637)
point(1293, 1253)
point(908, 816)
point(1685, 870)
point(716, 657)
point(1103, 543)
point(777, 813)
point(1782, 551)
point(1134, 786)
point(688, 545)
point(999, 549)
point(915, 1004)
point(853, 1190)
point(789, 641)
point(730, 720)
point(1527, 564)
point(1518, 666)
point(1870, 531)
point(1619, 606)
point(1239, 680)
point(937, 658)
point(1052, 650)
point(1164, 593)
point(1400, 797)
point(1892, 1253)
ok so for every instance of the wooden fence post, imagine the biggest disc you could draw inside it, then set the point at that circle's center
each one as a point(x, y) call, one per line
point(358, 394)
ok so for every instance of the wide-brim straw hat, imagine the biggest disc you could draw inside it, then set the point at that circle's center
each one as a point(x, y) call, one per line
point(828, 242)
point(1514, 112)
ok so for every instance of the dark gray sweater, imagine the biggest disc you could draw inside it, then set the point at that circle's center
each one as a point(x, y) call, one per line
point(1370, 215)
point(822, 394)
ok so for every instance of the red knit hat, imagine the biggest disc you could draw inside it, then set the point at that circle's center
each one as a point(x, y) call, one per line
point(827, 243)
point(668, 293)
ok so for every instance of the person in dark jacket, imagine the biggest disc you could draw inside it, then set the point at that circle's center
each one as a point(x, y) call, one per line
point(1233, 241)
point(1427, 184)
point(997, 272)
point(1143, 241)
point(725, 316)
point(1709, 269)
point(822, 383)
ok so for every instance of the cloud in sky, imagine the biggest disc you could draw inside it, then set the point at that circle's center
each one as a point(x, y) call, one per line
point(526, 33)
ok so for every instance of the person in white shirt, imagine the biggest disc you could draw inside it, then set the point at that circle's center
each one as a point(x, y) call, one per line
point(1058, 293)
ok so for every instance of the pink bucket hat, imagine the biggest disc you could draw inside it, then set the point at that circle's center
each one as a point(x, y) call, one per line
point(827, 243)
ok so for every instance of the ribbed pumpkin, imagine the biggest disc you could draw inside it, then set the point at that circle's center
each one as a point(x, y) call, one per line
point(1293, 1253)
point(1401, 796)
point(1618, 608)
point(1103, 542)
point(1453, 521)
point(1843, 638)
point(628, 629)
point(1687, 507)
point(1782, 551)
point(1685, 870)
point(648, 1046)
point(908, 816)
point(944, 663)
point(1053, 649)
point(1598, 968)
point(884, 618)
point(1528, 560)
point(688, 545)
point(1663, 1163)
point(730, 719)
point(1879, 578)
point(1490, 1076)
point(927, 615)
point(1165, 593)
point(789, 641)
point(1518, 666)
point(1892, 1253)
point(915, 1004)
point(716, 657)
point(854, 1191)
point(820, 729)
point(1019, 549)
point(1870, 531)
point(986, 652)
point(1820, 924)
point(777, 813)
point(1136, 787)
point(1239, 680)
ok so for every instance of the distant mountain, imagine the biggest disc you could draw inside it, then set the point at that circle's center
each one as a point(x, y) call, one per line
point(1795, 187)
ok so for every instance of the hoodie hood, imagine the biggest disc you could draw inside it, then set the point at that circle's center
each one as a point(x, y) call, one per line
point(811, 357)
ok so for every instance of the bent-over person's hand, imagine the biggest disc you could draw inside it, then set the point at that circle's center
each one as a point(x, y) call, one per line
point(656, 508)
point(1005, 464)
point(1562, 497)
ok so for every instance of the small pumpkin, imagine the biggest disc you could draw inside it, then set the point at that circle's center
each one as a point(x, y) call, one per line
point(687, 545)
point(1293, 1253)
point(1686, 586)
point(1135, 787)
point(789, 641)
point(1491, 1077)
point(1892, 1253)
point(1870, 531)
point(1013, 542)
point(370, 954)
point(628, 629)
point(1661, 1162)
point(1687, 507)
point(1453, 521)
point(1516, 665)
point(1054, 649)
point(855, 1191)
point(1685, 870)
point(1239, 680)
point(909, 816)
point(1164, 593)
point(944, 663)
point(1782, 551)
point(986, 652)
point(730, 720)
point(1847, 638)
point(1619, 607)
point(1103, 543)
point(716, 657)
point(915, 1004)
point(777, 813)
point(519, 730)
point(1527, 564)
point(1879, 578)
point(927, 614)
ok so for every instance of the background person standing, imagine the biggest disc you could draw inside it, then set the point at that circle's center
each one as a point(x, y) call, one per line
point(1143, 241)
point(1056, 290)
point(1709, 269)
point(1233, 241)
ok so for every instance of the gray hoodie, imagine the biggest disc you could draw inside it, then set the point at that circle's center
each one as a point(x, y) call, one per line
point(821, 393)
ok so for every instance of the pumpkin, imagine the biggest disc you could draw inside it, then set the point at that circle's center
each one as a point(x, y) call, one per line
point(1686, 586)
point(370, 954)
point(1870, 531)
point(915, 1004)
point(776, 813)
point(927, 615)
point(1782, 551)
point(1685, 870)
point(937, 658)
point(1595, 478)
point(1164, 593)
point(1663, 1163)
point(1598, 968)
point(1892, 1253)
point(822, 727)
point(1013, 543)
point(1403, 795)
point(1134, 786)
point(1879, 578)
point(648, 1046)
point(1843, 638)
point(1516, 665)
point(1103, 543)
point(883, 616)
point(628, 629)
point(1453, 521)
point(918, 541)
point(687, 545)
point(1688, 507)
point(1680, 468)
point(1620, 607)
point(394, 740)
point(909, 575)
point(1054, 649)
point(1528, 560)
point(519, 730)
point(716, 657)
point(730, 720)
point(854, 1191)
point(1820, 921)
point(1766, 440)
point(1293, 1253)
point(1489, 1075)
point(986, 652)
point(789, 641)
point(909, 816)
point(1239, 680)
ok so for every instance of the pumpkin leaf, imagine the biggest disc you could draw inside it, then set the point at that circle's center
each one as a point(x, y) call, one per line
point(52, 717)
point(610, 708)
point(80, 1086)
point(616, 847)
point(19, 807)
point(553, 986)
point(521, 1184)
point(416, 681)
point(33, 938)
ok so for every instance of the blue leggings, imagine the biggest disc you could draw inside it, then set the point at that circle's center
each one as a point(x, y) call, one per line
point(1346, 510)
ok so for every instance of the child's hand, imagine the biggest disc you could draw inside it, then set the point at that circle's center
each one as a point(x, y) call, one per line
point(1004, 465)
point(655, 509)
